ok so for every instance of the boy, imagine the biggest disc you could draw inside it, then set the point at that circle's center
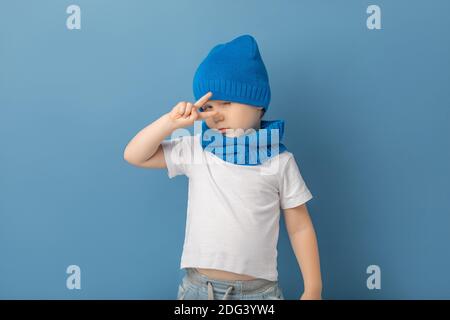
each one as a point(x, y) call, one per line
point(240, 174)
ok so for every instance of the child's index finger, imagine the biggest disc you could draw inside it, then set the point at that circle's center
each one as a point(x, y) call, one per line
point(200, 102)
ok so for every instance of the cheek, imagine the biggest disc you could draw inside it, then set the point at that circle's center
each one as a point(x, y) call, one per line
point(242, 117)
point(249, 118)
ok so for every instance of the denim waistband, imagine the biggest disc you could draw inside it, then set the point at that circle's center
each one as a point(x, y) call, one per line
point(240, 286)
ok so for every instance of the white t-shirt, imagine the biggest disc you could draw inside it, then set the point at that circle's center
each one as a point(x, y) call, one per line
point(233, 210)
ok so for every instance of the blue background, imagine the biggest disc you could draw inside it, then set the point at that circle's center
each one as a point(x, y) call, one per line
point(367, 118)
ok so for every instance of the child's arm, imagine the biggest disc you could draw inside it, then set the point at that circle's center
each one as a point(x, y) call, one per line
point(145, 149)
point(304, 242)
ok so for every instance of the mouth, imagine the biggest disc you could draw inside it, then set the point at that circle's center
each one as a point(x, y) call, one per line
point(222, 129)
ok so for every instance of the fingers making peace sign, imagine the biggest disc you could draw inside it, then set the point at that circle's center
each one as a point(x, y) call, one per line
point(185, 113)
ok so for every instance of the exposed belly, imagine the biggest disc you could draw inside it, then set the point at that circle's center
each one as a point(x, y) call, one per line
point(223, 275)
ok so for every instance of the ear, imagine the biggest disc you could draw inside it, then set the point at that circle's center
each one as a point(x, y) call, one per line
point(263, 111)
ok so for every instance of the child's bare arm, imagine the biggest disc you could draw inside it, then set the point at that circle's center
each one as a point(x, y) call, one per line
point(304, 242)
point(145, 149)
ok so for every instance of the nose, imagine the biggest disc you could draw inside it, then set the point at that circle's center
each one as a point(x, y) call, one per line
point(218, 116)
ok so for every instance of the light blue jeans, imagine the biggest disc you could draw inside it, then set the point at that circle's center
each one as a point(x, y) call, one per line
point(197, 286)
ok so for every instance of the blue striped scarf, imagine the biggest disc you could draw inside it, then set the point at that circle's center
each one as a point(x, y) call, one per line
point(252, 148)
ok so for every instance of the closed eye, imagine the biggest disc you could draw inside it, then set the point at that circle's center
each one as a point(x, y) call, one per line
point(209, 106)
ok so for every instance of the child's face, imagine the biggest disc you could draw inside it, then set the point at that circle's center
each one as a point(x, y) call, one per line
point(233, 115)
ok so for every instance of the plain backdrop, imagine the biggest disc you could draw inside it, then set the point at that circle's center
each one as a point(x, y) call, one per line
point(366, 113)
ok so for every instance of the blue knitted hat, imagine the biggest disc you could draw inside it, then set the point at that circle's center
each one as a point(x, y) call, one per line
point(234, 71)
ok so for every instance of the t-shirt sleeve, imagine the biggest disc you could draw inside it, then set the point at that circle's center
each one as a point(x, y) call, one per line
point(293, 189)
point(178, 155)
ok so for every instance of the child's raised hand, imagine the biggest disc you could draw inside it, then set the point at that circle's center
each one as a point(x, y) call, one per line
point(185, 113)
